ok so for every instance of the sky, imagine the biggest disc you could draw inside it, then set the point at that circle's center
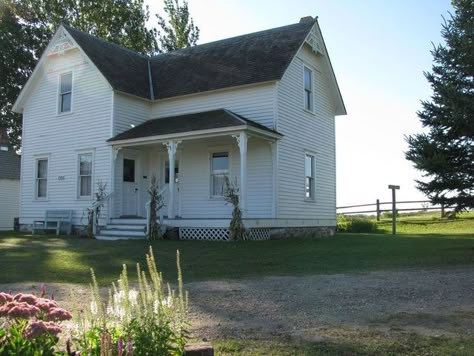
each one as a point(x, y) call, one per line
point(379, 50)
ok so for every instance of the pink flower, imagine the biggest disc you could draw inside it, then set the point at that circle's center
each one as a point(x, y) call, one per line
point(35, 329)
point(5, 298)
point(45, 304)
point(23, 310)
point(43, 290)
point(52, 328)
point(6, 308)
point(27, 298)
point(59, 314)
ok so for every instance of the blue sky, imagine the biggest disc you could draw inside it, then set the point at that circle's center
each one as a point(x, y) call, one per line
point(379, 50)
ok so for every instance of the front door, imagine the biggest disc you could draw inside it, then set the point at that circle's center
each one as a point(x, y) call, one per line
point(176, 187)
point(130, 189)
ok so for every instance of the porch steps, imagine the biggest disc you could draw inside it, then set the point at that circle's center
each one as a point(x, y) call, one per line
point(123, 229)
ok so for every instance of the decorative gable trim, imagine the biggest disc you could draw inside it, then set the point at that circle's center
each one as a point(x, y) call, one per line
point(313, 40)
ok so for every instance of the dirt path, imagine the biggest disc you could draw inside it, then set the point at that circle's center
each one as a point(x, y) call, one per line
point(427, 302)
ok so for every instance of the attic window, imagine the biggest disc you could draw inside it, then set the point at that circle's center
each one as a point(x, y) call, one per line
point(65, 93)
point(4, 148)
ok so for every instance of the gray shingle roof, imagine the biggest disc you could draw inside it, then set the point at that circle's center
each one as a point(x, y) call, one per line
point(247, 59)
point(191, 122)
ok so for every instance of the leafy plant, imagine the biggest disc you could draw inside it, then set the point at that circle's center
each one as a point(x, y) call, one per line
point(150, 320)
point(156, 203)
point(231, 196)
point(355, 224)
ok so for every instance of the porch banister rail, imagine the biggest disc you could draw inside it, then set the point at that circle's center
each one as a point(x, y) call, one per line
point(147, 209)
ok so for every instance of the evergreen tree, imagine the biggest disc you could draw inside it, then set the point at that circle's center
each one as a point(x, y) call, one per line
point(445, 153)
point(180, 31)
point(26, 26)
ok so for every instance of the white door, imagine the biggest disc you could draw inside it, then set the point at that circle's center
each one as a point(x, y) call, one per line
point(166, 194)
point(130, 191)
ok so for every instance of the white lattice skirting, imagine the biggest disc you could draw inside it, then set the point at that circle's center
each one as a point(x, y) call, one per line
point(218, 234)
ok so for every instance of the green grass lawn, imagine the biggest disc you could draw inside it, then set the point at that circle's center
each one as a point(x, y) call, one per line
point(68, 259)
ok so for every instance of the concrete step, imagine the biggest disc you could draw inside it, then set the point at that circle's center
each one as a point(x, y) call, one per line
point(128, 221)
point(139, 227)
point(114, 238)
point(138, 233)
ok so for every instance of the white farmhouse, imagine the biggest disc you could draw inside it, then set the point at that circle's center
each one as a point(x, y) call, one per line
point(258, 108)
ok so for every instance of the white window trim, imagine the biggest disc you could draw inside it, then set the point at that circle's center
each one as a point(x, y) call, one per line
point(311, 111)
point(312, 198)
point(211, 151)
point(78, 196)
point(48, 177)
point(58, 95)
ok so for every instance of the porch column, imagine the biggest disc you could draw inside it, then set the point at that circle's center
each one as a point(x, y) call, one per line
point(171, 146)
point(242, 140)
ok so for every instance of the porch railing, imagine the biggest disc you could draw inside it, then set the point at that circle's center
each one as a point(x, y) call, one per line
point(159, 211)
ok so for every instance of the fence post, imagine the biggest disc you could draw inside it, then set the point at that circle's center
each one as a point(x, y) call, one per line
point(394, 208)
point(378, 209)
point(442, 210)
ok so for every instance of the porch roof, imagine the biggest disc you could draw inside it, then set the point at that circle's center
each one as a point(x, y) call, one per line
point(222, 120)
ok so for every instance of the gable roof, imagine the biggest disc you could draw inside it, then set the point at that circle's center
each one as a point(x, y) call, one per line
point(248, 59)
point(10, 162)
point(206, 120)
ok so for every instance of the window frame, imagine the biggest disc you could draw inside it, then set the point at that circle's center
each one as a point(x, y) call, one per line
point(78, 175)
point(211, 171)
point(310, 91)
point(36, 190)
point(60, 94)
point(312, 185)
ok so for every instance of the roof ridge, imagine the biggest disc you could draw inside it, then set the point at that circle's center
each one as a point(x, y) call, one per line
point(273, 29)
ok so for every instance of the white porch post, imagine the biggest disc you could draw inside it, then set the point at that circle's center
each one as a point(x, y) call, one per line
point(171, 146)
point(242, 140)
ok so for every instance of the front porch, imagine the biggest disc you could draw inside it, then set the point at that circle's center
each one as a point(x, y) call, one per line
point(189, 162)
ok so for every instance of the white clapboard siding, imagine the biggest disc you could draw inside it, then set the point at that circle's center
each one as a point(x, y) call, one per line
point(9, 202)
point(62, 137)
point(255, 103)
point(306, 131)
point(129, 111)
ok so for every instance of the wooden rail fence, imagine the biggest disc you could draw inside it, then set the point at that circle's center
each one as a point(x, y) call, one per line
point(378, 210)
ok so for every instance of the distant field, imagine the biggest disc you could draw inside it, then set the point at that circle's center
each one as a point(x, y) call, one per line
point(430, 223)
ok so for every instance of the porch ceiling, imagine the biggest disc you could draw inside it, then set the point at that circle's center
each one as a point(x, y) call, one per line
point(220, 121)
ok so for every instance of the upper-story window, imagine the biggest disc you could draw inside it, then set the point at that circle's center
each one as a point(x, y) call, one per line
point(308, 89)
point(65, 93)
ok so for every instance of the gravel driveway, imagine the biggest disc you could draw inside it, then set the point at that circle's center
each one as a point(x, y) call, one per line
point(434, 302)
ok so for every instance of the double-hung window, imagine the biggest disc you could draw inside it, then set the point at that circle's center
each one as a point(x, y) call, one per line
point(308, 89)
point(41, 185)
point(85, 175)
point(219, 170)
point(65, 93)
point(309, 177)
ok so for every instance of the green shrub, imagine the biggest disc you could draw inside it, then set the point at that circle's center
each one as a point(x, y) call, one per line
point(357, 224)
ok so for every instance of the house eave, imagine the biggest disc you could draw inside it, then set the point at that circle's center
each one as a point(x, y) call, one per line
point(193, 135)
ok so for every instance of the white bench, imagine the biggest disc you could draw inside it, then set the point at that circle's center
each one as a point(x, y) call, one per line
point(54, 220)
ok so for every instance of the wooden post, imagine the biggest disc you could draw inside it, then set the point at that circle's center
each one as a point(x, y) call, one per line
point(394, 208)
point(442, 211)
point(378, 209)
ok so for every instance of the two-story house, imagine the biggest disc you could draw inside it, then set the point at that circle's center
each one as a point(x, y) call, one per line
point(258, 108)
